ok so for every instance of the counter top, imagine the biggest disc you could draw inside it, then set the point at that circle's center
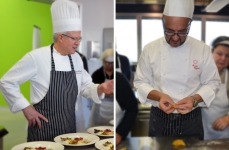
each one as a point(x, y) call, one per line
point(165, 143)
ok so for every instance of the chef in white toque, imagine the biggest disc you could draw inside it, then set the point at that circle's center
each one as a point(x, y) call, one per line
point(177, 75)
point(57, 78)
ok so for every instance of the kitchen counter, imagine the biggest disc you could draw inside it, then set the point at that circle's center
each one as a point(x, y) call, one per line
point(165, 143)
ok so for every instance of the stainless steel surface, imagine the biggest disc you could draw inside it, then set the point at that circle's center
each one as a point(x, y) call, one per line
point(165, 143)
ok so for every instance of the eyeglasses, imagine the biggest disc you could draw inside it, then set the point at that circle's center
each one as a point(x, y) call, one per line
point(74, 39)
point(180, 34)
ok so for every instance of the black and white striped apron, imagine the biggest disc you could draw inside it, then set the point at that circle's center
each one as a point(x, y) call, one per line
point(177, 125)
point(58, 106)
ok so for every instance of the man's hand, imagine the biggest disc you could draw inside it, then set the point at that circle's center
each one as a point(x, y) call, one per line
point(185, 105)
point(166, 103)
point(118, 138)
point(33, 116)
point(106, 87)
point(221, 123)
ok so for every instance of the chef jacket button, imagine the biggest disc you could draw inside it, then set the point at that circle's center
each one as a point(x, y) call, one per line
point(180, 133)
point(184, 75)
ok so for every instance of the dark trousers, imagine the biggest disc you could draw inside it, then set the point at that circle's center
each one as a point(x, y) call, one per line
point(175, 124)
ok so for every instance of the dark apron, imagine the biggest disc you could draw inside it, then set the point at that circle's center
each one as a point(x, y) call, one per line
point(177, 125)
point(58, 105)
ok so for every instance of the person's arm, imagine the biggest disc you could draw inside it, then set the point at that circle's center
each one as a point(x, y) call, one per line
point(85, 63)
point(21, 72)
point(209, 79)
point(95, 91)
point(128, 102)
point(143, 79)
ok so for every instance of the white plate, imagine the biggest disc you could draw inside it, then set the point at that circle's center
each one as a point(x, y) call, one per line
point(100, 143)
point(91, 130)
point(52, 145)
point(92, 138)
point(112, 122)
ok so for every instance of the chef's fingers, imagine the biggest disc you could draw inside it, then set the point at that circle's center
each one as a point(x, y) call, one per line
point(183, 110)
point(33, 122)
point(43, 117)
point(39, 122)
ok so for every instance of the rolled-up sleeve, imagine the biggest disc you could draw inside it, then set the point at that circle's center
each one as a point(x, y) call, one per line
point(210, 80)
point(89, 89)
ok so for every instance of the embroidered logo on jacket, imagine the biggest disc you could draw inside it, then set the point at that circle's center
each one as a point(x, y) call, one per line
point(78, 72)
point(195, 64)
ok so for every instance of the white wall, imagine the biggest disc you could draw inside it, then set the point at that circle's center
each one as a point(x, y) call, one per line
point(97, 14)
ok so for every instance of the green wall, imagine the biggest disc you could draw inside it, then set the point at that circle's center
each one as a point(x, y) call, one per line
point(16, 31)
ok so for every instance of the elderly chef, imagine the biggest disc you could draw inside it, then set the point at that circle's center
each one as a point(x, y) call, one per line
point(102, 114)
point(57, 77)
point(177, 75)
point(215, 118)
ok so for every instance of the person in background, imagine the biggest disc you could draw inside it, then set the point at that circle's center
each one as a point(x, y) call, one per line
point(126, 107)
point(102, 114)
point(215, 118)
point(56, 76)
point(84, 59)
point(80, 124)
point(123, 65)
point(177, 75)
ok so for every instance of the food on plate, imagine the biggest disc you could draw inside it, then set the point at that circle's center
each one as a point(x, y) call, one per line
point(104, 132)
point(96, 130)
point(109, 144)
point(124, 148)
point(77, 140)
point(37, 148)
point(112, 147)
point(179, 143)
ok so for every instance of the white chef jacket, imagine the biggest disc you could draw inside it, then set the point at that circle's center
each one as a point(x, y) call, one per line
point(179, 72)
point(36, 66)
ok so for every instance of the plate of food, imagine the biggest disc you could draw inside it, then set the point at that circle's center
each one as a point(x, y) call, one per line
point(76, 139)
point(106, 144)
point(102, 131)
point(39, 145)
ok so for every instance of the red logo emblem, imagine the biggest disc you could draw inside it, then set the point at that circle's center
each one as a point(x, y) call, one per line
point(195, 64)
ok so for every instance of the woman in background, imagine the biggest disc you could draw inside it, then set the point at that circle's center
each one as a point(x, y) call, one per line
point(215, 118)
point(102, 114)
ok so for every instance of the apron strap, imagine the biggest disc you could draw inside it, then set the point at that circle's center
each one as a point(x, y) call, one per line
point(52, 60)
point(70, 58)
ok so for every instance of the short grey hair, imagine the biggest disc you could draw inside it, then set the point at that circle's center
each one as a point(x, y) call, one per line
point(55, 35)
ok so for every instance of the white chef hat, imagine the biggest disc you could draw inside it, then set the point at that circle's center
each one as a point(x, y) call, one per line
point(108, 55)
point(179, 8)
point(65, 16)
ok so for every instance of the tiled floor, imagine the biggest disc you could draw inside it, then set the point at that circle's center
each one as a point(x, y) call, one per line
point(15, 125)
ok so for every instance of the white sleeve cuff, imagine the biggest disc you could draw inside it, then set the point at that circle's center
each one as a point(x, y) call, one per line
point(207, 94)
point(94, 92)
point(19, 105)
point(142, 91)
